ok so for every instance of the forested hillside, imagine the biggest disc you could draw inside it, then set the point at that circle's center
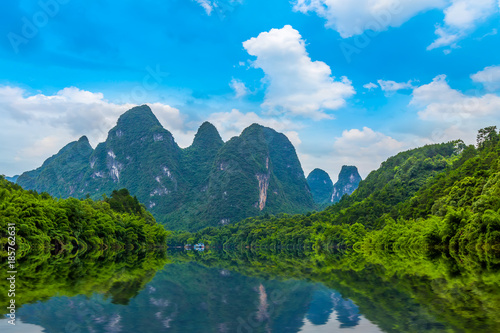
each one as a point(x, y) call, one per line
point(44, 222)
point(444, 195)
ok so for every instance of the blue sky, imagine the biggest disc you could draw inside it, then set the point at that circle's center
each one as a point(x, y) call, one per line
point(348, 82)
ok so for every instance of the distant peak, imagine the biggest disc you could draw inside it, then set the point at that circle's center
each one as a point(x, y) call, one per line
point(252, 128)
point(206, 123)
point(139, 116)
point(318, 172)
point(83, 139)
point(207, 135)
point(348, 170)
point(207, 129)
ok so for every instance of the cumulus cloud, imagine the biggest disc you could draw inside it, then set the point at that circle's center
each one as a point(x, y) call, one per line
point(239, 88)
point(364, 148)
point(489, 77)
point(35, 126)
point(351, 18)
point(392, 86)
point(452, 114)
point(230, 124)
point(295, 84)
point(462, 17)
point(438, 101)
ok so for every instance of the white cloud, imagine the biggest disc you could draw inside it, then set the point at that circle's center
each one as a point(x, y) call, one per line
point(370, 86)
point(365, 148)
point(34, 127)
point(46, 146)
point(239, 88)
point(489, 77)
point(230, 124)
point(353, 17)
point(294, 138)
point(207, 5)
point(493, 32)
point(391, 86)
point(451, 114)
point(462, 17)
point(438, 101)
point(350, 18)
point(221, 7)
point(465, 13)
point(445, 38)
point(296, 84)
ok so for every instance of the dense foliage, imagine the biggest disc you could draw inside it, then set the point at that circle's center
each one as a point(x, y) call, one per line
point(459, 209)
point(445, 195)
point(43, 222)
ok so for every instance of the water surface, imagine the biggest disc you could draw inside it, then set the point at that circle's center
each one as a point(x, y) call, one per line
point(251, 292)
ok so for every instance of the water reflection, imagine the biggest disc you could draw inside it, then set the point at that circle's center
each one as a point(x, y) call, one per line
point(231, 291)
point(20, 327)
point(324, 302)
point(188, 297)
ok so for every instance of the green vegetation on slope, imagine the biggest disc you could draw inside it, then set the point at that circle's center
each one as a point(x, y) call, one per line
point(59, 173)
point(444, 195)
point(459, 209)
point(42, 221)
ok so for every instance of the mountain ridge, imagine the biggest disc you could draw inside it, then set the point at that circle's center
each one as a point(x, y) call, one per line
point(209, 183)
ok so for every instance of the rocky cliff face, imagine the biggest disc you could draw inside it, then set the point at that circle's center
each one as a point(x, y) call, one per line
point(349, 179)
point(323, 189)
point(259, 171)
point(208, 183)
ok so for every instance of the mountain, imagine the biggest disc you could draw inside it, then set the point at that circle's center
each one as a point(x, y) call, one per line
point(321, 186)
point(383, 196)
point(61, 174)
point(207, 184)
point(349, 179)
point(259, 171)
point(12, 179)
point(323, 190)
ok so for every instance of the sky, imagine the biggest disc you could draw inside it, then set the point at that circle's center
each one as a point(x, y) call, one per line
point(348, 82)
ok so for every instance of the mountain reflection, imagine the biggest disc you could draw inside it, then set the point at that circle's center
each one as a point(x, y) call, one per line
point(188, 297)
point(231, 291)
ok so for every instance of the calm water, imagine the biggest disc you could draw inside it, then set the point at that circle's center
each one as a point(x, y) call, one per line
point(254, 296)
